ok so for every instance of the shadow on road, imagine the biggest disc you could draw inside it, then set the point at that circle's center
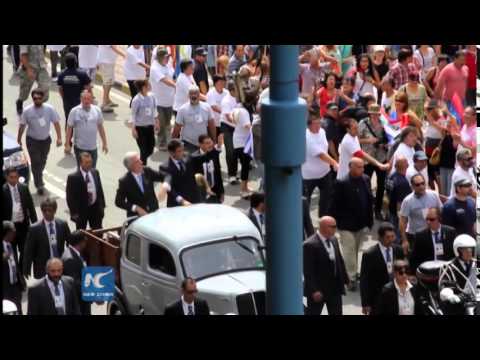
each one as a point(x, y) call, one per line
point(68, 162)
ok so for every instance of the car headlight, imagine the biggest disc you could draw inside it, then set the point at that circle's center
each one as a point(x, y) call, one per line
point(14, 160)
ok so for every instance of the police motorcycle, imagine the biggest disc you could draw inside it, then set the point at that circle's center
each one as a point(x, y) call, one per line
point(459, 287)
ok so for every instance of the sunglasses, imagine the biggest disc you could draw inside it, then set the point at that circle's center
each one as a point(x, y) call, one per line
point(192, 292)
point(431, 219)
point(419, 184)
point(401, 270)
point(468, 159)
point(37, 98)
point(332, 226)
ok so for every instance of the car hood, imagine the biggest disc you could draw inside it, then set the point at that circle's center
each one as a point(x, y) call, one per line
point(233, 283)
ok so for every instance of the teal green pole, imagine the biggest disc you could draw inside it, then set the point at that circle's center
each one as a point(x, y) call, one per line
point(283, 146)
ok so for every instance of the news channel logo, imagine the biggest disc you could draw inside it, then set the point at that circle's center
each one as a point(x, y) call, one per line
point(98, 283)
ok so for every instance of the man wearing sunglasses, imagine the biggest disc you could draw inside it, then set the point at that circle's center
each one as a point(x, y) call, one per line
point(400, 297)
point(459, 211)
point(464, 170)
point(37, 118)
point(433, 243)
point(414, 209)
point(189, 304)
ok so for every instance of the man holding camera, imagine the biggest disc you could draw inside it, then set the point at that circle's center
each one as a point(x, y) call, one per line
point(374, 142)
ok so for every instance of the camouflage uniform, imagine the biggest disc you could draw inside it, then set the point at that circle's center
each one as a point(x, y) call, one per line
point(36, 59)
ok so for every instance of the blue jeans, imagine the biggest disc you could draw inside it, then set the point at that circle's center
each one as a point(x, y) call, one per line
point(93, 153)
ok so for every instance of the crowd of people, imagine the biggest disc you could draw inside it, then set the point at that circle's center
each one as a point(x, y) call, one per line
point(391, 137)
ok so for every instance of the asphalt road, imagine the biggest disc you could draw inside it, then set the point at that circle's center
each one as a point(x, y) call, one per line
point(110, 166)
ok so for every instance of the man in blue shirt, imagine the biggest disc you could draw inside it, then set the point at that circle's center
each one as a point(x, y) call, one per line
point(459, 211)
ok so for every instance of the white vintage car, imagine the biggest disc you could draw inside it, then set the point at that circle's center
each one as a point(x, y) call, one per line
point(215, 244)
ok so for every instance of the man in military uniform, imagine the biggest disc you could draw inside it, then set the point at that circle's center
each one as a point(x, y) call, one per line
point(33, 68)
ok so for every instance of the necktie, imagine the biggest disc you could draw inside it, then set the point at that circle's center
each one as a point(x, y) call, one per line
point(16, 196)
point(181, 165)
point(437, 238)
point(209, 174)
point(388, 257)
point(52, 241)
point(261, 219)
point(13, 267)
point(89, 193)
point(468, 266)
point(140, 182)
point(329, 242)
point(60, 310)
point(190, 310)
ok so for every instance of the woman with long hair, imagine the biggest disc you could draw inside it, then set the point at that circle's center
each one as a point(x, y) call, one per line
point(416, 93)
point(327, 93)
point(363, 74)
point(406, 117)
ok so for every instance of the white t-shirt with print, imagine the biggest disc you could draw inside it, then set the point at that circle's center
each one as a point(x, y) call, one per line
point(164, 94)
point(214, 98)
point(314, 167)
point(131, 69)
point(349, 146)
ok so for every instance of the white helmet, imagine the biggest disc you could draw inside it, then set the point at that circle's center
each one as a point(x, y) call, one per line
point(9, 308)
point(464, 241)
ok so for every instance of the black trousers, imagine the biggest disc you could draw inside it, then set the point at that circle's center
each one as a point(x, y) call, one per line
point(14, 294)
point(15, 56)
point(244, 161)
point(19, 243)
point(133, 90)
point(325, 186)
point(93, 217)
point(38, 151)
point(145, 141)
point(334, 306)
point(381, 176)
point(54, 59)
point(232, 161)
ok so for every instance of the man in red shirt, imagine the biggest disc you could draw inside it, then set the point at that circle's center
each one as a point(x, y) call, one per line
point(471, 62)
point(453, 79)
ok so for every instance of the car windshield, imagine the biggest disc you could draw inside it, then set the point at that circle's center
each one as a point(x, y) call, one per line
point(221, 257)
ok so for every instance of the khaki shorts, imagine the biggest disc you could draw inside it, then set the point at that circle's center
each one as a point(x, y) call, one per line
point(108, 73)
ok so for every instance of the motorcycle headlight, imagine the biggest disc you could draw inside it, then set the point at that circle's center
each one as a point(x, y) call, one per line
point(14, 160)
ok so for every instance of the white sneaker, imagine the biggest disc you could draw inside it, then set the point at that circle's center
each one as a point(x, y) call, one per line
point(232, 180)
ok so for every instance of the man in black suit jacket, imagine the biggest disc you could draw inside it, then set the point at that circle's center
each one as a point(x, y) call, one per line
point(85, 197)
point(324, 270)
point(188, 304)
point(352, 207)
point(377, 267)
point(22, 219)
point(13, 282)
point(46, 239)
point(388, 301)
point(206, 161)
point(256, 213)
point(184, 189)
point(73, 264)
point(427, 246)
point(54, 294)
point(136, 192)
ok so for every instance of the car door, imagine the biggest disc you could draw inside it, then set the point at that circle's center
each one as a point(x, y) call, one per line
point(132, 273)
point(160, 279)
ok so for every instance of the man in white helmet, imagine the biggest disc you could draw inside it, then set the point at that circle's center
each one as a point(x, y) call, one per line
point(458, 280)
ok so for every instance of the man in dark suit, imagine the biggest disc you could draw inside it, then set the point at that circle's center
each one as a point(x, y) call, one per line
point(13, 282)
point(184, 189)
point(188, 304)
point(85, 198)
point(206, 161)
point(377, 267)
point(73, 264)
point(46, 239)
point(54, 294)
point(352, 207)
point(433, 243)
point(17, 206)
point(136, 192)
point(324, 270)
point(256, 213)
point(400, 297)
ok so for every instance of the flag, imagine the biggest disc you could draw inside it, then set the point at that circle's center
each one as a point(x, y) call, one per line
point(248, 149)
point(387, 123)
point(455, 106)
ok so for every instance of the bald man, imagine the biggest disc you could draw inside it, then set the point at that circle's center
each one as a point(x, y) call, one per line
point(55, 294)
point(324, 270)
point(352, 207)
point(398, 188)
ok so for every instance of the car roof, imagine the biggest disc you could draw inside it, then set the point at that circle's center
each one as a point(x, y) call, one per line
point(9, 141)
point(183, 226)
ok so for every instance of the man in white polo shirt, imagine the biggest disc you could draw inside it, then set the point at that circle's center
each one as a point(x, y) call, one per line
point(316, 168)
